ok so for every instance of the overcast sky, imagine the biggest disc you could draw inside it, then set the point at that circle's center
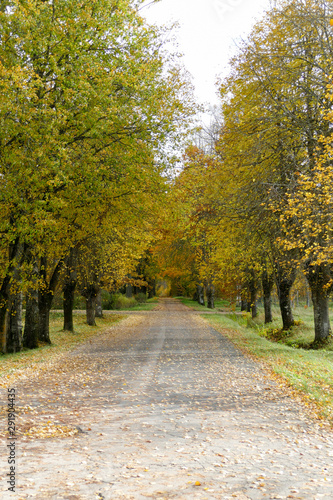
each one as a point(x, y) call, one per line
point(208, 33)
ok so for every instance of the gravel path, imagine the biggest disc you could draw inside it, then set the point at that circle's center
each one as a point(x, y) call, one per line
point(162, 406)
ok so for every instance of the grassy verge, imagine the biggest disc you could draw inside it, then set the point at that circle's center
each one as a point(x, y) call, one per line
point(61, 342)
point(219, 304)
point(309, 372)
point(145, 306)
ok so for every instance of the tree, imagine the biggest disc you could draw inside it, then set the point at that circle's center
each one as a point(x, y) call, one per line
point(88, 101)
point(273, 103)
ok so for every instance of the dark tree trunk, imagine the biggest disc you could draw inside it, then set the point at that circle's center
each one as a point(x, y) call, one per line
point(284, 280)
point(285, 305)
point(31, 325)
point(201, 295)
point(99, 307)
point(321, 315)
point(253, 289)
point(4, 315)
point(319, 278)
point(68, 305)
point(254, 309)
point(45, 297)
point(152, 290)
point(69, 286)
point(14, 325)
point(16, 255)
point(243, 304)
point(90, 309)
point(267, 286)
point(210, 294)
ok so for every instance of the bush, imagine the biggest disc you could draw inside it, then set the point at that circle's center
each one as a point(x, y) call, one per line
point(141, 298)
point(117, 301)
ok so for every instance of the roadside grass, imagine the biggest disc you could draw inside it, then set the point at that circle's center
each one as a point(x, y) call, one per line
point(62, 341)
point(291, 356)
point(307, 371)
point(301, 335)
point(219, 304)
point(145, 306)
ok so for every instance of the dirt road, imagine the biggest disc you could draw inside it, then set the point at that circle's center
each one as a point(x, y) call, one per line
point(164, 407)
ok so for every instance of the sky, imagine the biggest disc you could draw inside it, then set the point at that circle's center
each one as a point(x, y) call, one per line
point(208, 35)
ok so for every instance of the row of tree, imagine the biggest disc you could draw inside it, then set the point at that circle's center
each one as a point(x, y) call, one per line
point(89, 104)
point(258, 208)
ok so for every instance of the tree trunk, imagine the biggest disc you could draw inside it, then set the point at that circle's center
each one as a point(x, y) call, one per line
point(4, 315)
point(31, 323)
point(31, 326)
point(152, 290)
point(68, 305)
point(200, 294)
point(70, 281)
point(14, 325)
point(285, 305)
point(45, 297)
point(99, 307)
point(267, 286)
point(4, 320)
point(243, 304)
point(44, 305)
point(210, 294)
point(319, 278)
point(16, 255)
point(90, 309)
point(285, 278)
point(321, 315)
point(253, 289)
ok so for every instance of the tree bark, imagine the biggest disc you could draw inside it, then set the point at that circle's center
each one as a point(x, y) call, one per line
point(210, 294)
point(267, 286)
point(284, 280)
point(243, 305)
point(70, 282)
point(99, 307)
point(31, 326)
point(152, 289)
point(253, 290)
point(319, 277)
point(45, 297)
point(14, 325)
point(68, 305)
point(90, 309)
point(16, 255)
point(200, 294)
point(321, 315)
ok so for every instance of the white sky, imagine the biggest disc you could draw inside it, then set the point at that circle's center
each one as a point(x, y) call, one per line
point(207, 35)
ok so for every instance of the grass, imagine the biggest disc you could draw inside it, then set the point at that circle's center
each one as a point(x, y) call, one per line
point(146, 306)
point(307, 371)
point(219, 304)
point(61, 342)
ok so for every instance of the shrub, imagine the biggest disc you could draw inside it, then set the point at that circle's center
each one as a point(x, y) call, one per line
point(118, 301)
point(141, 298)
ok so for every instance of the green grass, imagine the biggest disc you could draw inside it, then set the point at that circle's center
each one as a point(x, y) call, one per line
point(309, 372)
point(61, 342)
point(219, 304)
point(146, 306)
